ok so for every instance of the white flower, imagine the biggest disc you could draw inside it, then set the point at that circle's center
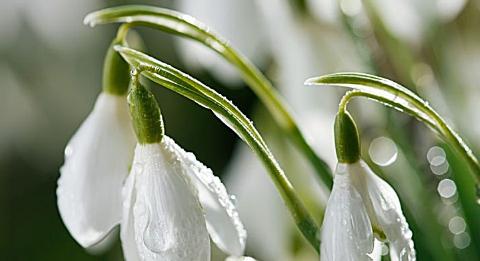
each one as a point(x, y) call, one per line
point(163, 199)
point(97, 159)
point(362, 205)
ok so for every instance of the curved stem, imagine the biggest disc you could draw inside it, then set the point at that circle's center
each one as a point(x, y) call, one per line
point(122, 32)
point(177, 81)
point(187, 26)
point(438, 124)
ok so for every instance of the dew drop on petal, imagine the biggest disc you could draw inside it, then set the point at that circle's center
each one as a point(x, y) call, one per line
point(383, 151)
point(68, 151)
point(137, 168)
point(384, 250)
point(233, 199)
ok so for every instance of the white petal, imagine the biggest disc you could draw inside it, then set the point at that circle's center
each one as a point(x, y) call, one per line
point(346, 231)
point(389, 215)
point(168, 222)
point(222, 219)
point(376, 254)
point(96, 163)
point(127, 230)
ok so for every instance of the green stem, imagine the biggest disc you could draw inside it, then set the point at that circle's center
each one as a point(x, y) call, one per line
point(177, 81)
point(115, 70)
point(186, 26)
point(406, 101)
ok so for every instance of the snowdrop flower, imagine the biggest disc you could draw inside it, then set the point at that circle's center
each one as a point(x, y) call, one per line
point(361, 207)
point(172, 202)
point(97, 160)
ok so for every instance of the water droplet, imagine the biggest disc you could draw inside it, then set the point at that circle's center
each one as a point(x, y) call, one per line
point(137, 168)
point(440, 169)
point(461, 240)
point(383, 151)
point(457, 225)
point(233, 199)
point(447, 188)
point(436, 156)
point(68, 151)
point(384, 250)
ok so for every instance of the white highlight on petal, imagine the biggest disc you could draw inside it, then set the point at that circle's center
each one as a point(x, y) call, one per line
point(222, 219)
point(96, 163)
point(162, 212)
point(346, 231)
point(386, 210)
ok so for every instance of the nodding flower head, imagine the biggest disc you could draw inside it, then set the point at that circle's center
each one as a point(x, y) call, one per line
point(172, 202)
point(362, 207)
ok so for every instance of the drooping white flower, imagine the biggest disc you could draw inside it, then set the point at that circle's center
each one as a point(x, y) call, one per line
point(362, 205)
point(163, 217)
point(97, 159)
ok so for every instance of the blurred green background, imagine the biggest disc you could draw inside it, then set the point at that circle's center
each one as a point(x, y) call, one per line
point(51, 69)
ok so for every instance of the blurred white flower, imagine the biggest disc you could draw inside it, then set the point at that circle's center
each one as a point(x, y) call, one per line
point(410, 20)
point(237, 21)
point(163, 217)
point(97, 159)
point(10, 21)
point(362, 204)
point(58, 22)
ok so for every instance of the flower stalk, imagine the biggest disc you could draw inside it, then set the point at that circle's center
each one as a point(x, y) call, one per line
point(183, 25)
point(175, 80)
point(116, 76)
point(398, 97)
